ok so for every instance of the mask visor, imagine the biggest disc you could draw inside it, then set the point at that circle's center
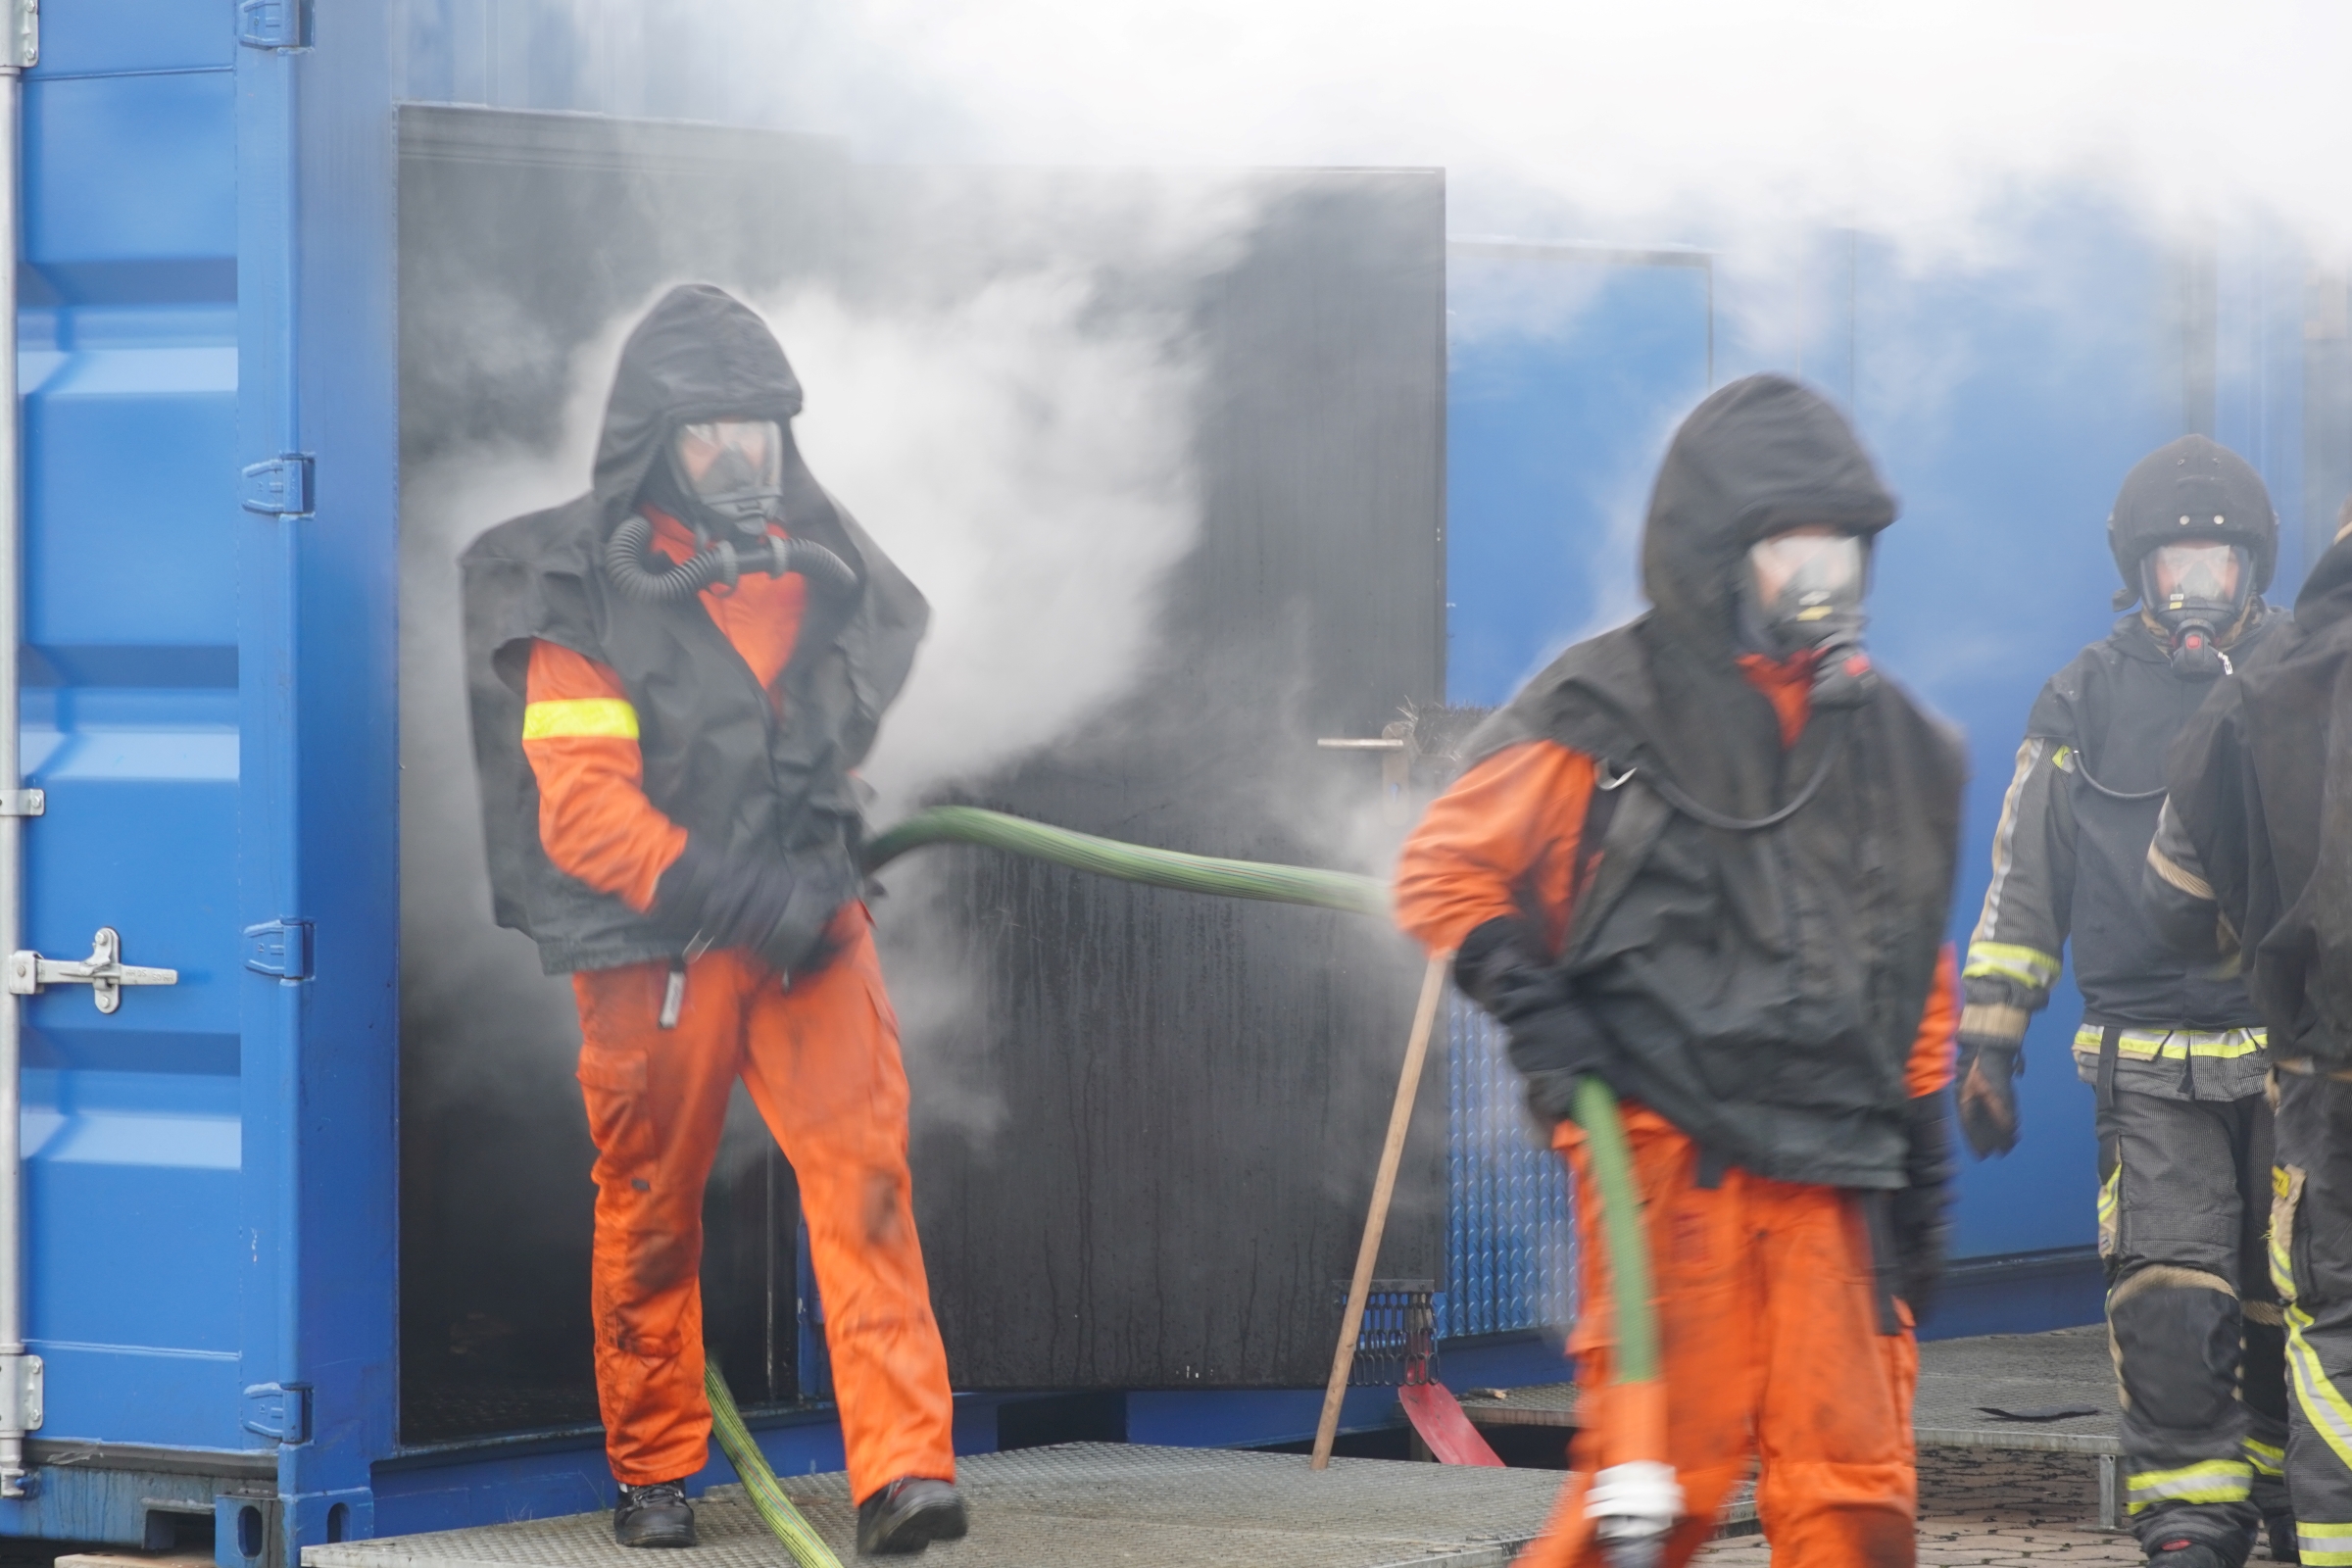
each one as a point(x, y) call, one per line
point(733, 466)
point(1803, 578)
point(2197, 575)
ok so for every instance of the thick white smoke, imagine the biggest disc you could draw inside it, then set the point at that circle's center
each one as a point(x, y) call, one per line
point(1034, 478)
point(1909, 119)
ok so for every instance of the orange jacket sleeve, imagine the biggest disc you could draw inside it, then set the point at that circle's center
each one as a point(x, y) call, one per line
point(1939, 1029)
point(579, 734)
point(1501, 842)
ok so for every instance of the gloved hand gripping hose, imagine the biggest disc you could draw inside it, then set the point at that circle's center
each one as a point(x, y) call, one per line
point(1634, 1500)
point(759, 1483)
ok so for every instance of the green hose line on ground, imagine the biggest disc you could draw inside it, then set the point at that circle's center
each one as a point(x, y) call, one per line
point(759, 1483)
point(1130, 862)
point(1621, 1223)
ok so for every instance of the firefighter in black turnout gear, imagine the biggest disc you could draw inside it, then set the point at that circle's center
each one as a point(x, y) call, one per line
point(2253, 854)
point(2174, 1046)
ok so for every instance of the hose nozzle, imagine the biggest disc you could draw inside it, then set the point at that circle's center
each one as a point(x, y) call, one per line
point(1633, 1506)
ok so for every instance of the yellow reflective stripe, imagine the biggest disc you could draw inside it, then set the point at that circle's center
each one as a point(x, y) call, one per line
point(2330, 1416)
point(2210, 1481)
point(2286, 1193)
point(2006, 960)
point(2156, 1045)
point(2107, 1210)
point(609, 716)
point(2323, 1542)
point(2266, 1458)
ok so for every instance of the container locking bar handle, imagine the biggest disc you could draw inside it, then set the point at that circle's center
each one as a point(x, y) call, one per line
point(103, 972)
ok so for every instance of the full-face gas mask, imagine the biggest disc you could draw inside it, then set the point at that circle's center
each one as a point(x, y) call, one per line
point(1801, 592)
point(728, 477)
point(725, 479)
point(2197, 590)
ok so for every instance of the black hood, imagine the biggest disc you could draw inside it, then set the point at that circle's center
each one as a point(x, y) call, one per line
point(699, 354)
point(1763, 455)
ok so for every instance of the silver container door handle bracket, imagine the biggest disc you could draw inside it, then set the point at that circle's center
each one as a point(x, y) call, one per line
point(103, 972)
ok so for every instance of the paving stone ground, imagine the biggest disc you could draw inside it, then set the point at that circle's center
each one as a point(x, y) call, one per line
point(1995, 1509)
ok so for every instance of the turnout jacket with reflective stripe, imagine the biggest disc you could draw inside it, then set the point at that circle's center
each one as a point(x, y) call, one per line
point(2255, 851)
point(2067, 859)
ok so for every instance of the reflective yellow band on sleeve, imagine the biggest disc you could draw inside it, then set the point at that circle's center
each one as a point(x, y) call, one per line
point(2266, 1458)
point(2323, 1542)
point(2005, 960)
point(610, 717)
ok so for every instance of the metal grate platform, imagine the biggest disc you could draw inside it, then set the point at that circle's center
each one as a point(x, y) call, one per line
point(2018, 1372)
point(1082, 1504)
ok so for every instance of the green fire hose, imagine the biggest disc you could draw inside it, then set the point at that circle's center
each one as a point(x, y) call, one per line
point(1595, 1106)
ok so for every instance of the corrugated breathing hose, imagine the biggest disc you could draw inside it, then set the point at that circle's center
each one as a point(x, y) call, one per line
point(1634, 1497)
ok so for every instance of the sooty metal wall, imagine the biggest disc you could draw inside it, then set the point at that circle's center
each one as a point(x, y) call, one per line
point(1191, 1092)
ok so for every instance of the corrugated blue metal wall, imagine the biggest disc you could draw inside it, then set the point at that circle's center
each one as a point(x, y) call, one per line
point(132, 1127)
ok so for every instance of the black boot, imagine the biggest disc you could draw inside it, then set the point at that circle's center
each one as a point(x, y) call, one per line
point(908, 1515)
point(658, 1515)
point(2281, 1529)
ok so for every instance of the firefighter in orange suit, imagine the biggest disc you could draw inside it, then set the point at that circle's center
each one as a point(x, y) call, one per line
point(1708, 856)
point(670, 678)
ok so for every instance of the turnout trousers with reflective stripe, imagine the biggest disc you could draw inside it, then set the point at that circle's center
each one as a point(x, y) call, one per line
point(2311, 1260)
point(2199, 1348)
point(1774, 1355)
point(821, 1063)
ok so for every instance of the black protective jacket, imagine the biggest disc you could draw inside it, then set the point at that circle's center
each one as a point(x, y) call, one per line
point(718, 759)
point(2067, 859)
point(2254, 851)
point(1760, 988)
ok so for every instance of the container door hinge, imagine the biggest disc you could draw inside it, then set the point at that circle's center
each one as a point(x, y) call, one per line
point(280, 487)
point(103, 972)
point(24, 802)
point(273, 25)
point(23, 44)
point(19, 1394)
point(280, 1410)
point(279, 948)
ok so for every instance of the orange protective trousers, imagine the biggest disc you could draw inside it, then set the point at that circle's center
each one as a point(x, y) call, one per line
point(821, 1063)
point(1772, 1354)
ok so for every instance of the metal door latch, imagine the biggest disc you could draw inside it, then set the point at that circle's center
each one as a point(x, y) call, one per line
point(103, 972)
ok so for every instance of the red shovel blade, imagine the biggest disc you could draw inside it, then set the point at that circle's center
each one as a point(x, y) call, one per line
point(1438, 1416)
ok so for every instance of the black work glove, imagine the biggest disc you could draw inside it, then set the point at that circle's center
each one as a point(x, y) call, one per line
point(1555, 1040)
point(1986, 1079)
point(1922, 1229)
point(777, 908)
point(802, 941)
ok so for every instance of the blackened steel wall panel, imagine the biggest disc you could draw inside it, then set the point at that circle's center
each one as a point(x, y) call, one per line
point(1195, 1089)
